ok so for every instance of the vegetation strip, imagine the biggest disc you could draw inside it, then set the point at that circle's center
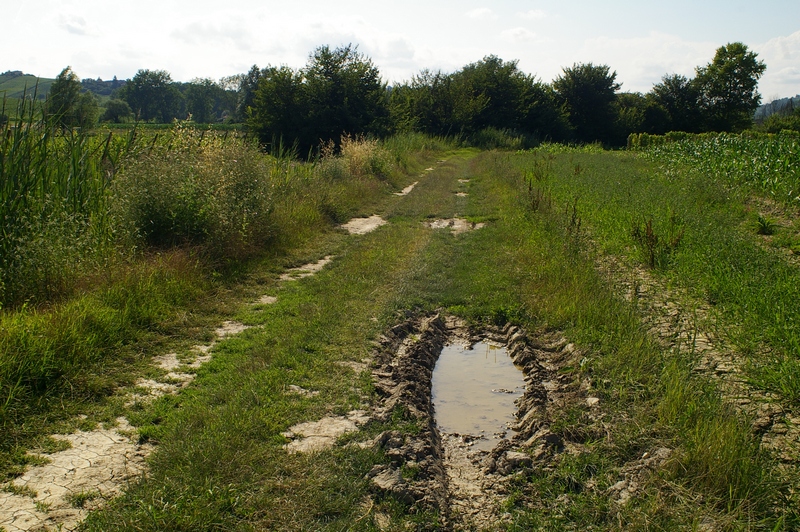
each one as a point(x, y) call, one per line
point(614, 427)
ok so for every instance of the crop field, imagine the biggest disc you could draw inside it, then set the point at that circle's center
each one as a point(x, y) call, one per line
point(257, 335)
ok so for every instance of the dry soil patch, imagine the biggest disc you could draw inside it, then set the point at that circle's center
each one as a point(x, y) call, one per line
point(307, 270)
point(314, 436)
point(97, 466)
point(455, 225)
point(406, 190)
point(362, 226)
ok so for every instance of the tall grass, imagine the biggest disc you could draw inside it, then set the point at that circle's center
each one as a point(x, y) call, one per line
point(107, 237)
point(53, 204)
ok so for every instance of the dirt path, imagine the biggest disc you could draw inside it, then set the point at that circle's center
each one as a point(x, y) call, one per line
point(368, 408)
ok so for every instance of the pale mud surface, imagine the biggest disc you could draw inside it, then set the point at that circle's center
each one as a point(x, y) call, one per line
point(680, 322)
point(362, 226)
point(315, 436)
point(406, 190)
point(180, 371)
point(267, 300)
point(307, 270)
point(98, 466)
point(100, 463)
point(455, 225)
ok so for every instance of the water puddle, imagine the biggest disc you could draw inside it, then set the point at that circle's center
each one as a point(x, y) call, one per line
point(474, 390)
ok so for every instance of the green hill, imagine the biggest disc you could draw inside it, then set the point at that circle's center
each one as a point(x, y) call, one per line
point(14, 84)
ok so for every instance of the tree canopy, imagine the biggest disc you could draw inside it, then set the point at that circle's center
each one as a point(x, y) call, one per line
point(728, 88)
point(67, 106)
point(152, 96)
point(588, 92)
point(339, 92)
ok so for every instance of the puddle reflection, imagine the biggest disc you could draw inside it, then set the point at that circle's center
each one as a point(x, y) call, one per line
point(474, 392)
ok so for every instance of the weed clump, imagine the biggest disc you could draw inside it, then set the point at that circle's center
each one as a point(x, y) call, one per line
point(657, 249)
point(197, 189)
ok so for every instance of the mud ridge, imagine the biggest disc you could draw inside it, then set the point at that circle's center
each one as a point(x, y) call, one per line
point(465, 485)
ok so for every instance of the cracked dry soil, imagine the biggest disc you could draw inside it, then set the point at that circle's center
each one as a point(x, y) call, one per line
point(682, 323)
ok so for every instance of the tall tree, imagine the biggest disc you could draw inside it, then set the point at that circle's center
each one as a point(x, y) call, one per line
point(502, 86)
point(117, 111)
point(345, 94)
point(680, 98)
point(246, 86)
point(728, 85)
point(279, 111)
point(587, 92)
point(205, 100)
point(338, 92)
point(67, 106)
point(152, 96)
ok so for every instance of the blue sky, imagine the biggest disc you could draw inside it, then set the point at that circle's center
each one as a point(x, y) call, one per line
point(641, 40)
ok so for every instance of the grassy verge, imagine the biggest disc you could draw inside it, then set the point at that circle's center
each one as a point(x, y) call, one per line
point(221, 463)
point(701, 237)
point(155, 257)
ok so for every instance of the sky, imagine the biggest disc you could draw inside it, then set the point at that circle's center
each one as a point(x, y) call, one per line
point(640, 40)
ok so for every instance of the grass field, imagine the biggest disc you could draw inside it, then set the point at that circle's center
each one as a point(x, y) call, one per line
point(657, 272)
point(16, 86)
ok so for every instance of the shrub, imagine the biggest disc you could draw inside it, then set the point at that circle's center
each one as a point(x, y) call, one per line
point(198, 190)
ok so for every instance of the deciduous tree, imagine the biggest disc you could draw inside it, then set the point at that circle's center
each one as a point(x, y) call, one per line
point(728, 86)
point(680, 98)
point(117, 111)
point(67, 106)
point(587, 92)
point(152, 96)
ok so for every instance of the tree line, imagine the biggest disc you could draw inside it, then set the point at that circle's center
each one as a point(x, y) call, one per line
point(340, 92)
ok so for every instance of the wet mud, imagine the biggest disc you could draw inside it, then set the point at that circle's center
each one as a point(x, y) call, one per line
point(465, 483)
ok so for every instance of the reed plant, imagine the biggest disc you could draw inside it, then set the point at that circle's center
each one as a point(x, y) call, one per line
point(53, 204)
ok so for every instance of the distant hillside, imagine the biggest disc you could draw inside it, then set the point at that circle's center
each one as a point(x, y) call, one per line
point(14, 84)
point(100, 87)
point(782, 106)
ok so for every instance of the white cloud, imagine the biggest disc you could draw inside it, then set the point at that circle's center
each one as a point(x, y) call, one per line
point(199, 33)
point(481, 13)
point(781, 55)
point(533, 14)
point(519, 35)
point(640, 62)
point(74, 25)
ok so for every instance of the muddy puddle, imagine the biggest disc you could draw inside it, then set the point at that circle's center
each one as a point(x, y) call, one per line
point(474, 390)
